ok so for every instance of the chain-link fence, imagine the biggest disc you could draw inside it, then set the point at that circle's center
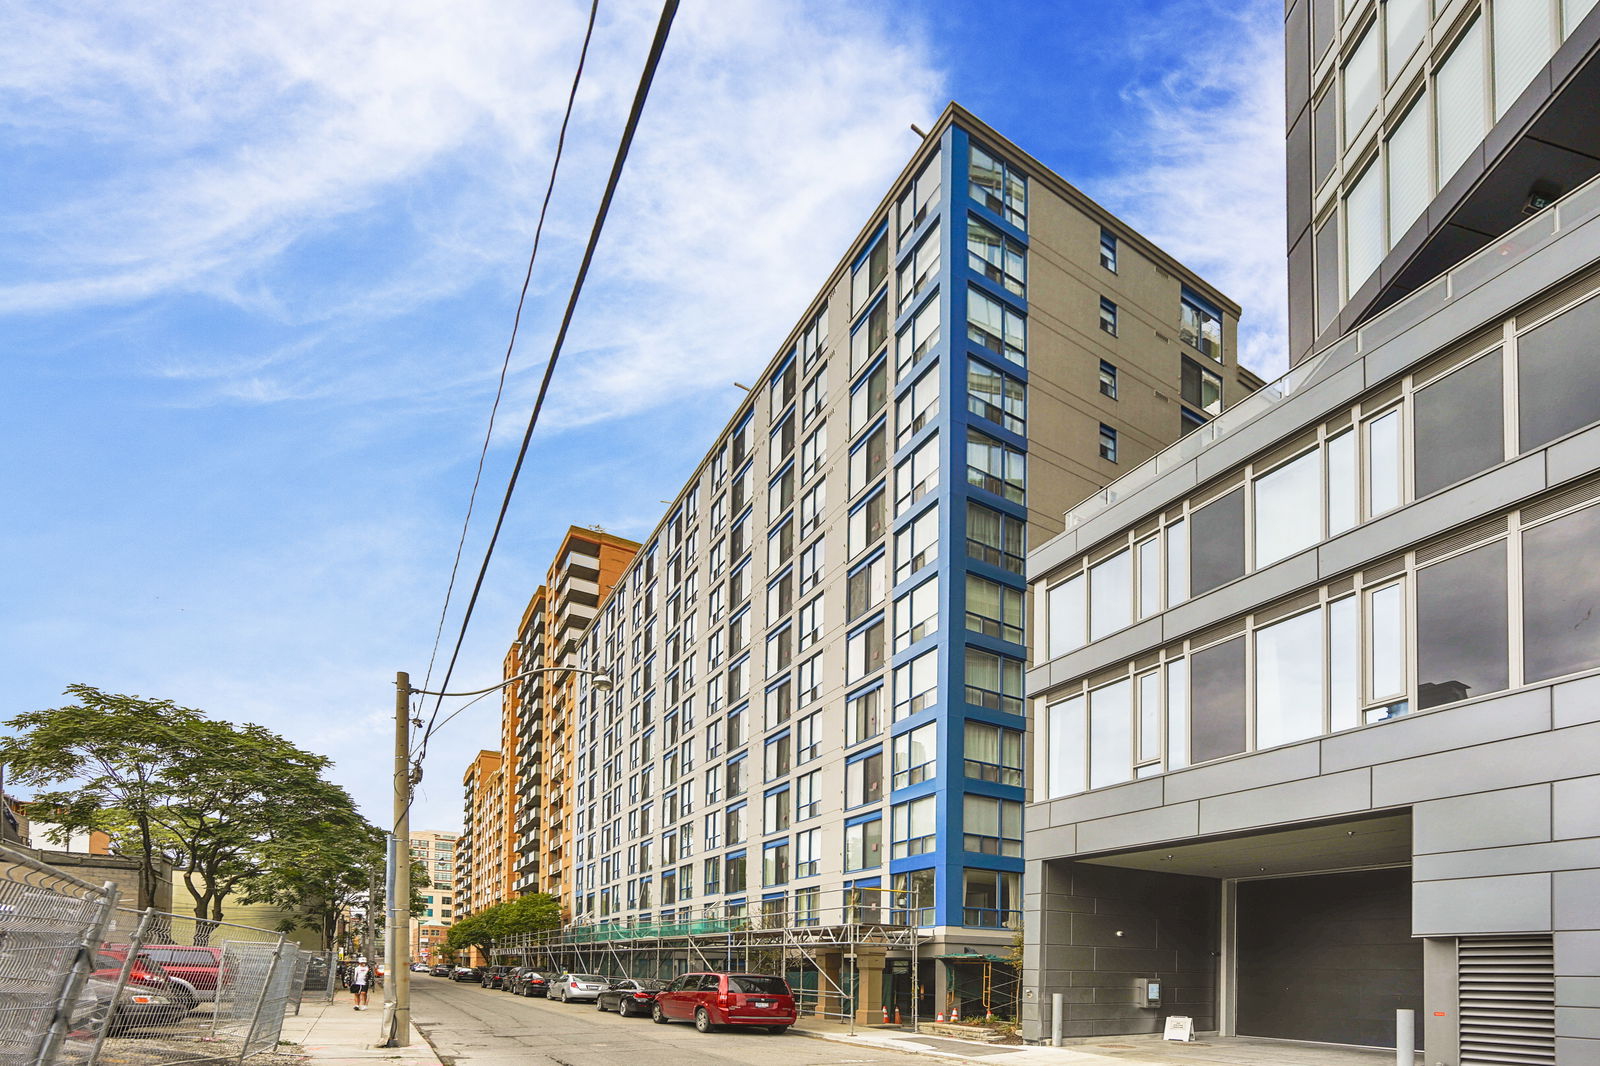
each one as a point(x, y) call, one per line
point(83, 983)
point(52, 1006)
point(202, 990)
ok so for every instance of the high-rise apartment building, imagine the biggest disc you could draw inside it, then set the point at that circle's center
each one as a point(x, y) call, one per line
point(483, 860)
point(432, 920)
point(818, 653)
point(529, 814)
point(538, 727)
point(1316, 697)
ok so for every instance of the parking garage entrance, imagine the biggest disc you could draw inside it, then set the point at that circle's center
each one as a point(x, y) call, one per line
point(1328, 957)
point(1309, 929)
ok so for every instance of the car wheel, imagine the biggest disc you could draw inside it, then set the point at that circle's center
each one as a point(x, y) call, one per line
point(599, 1006)
point(656, 1015)
point(777, 1030)
point(702, 1020)
point(622, 1008)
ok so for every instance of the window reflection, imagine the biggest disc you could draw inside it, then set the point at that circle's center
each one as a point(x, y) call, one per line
point(1111, 734)
point(1288, 513)
point(1560, 590)
point(1461, 626)
point(1386, 634)
point(1557, 390)
point(1289, 680)
point(1217, 695)
point(1458, 424)
point(1383, 463)
point(1110, 595)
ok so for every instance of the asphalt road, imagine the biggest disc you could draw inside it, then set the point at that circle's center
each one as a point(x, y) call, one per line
point(473, 1026)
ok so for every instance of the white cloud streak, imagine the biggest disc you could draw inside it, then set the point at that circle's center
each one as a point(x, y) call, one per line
point(1203, 173)
point(245, 140)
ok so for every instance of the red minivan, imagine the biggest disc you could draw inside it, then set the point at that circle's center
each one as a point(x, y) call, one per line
point(713, 999)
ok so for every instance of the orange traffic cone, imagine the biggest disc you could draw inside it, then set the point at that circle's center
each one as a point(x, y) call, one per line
point(886, 1015)
point(939, 1017)
point(955, 1014)
point(988, 1015)
point(897, 1020)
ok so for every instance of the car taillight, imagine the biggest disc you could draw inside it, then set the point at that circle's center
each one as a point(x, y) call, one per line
point(722, 999)
point(641, 995)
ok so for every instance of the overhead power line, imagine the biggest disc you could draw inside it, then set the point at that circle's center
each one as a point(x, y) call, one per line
point(516, 321)
point(663, 27)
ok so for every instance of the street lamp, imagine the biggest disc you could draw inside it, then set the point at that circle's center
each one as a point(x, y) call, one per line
point(397, 1005)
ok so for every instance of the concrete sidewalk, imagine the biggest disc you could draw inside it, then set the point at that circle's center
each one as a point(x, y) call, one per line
point(337, 1033)
point(1128, 1050)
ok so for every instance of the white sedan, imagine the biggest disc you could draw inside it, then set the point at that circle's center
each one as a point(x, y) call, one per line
point(578, 986)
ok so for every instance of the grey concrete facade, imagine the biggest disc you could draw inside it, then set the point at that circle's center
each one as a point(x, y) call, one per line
point(1488, 800)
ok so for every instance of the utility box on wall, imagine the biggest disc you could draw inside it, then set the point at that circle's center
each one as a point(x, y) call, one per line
point(1147, 991)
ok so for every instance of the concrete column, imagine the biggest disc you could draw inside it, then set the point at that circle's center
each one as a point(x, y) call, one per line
point(830, 978)
point(941, 989)
point(869, 985)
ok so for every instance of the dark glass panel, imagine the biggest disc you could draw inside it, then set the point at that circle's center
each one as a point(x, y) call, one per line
point(1461, 627)
point(1216, 700)
point(1559, 375)
point(1216, 543)
point(1460, 424)
point(1560, 591)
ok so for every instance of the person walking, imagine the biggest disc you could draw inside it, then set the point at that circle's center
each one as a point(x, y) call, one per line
point(360, 980)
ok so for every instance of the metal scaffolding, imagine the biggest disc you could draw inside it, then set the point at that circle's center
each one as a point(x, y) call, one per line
point(826, 934)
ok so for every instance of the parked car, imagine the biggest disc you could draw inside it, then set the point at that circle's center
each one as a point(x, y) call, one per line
point(466, 973)
point(419, 967)
point(528, 982)
point(145, 973)
point(198, 964)
point(440, 970)
point(150, 997)
point(630, 996)
point(577, 986)
point(713, 999)
point(123, 1009)
point(495, 976)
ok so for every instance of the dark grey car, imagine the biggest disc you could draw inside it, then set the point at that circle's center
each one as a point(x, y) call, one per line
point(630, 996)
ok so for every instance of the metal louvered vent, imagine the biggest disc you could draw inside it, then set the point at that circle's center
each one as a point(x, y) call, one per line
point(1582, 492)
point(1462, 538)
point(1507, 990)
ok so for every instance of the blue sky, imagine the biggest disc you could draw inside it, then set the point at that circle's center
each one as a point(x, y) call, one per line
point(258, 264)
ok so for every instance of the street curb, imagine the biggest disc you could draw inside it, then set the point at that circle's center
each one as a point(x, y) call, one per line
point(888, 1044)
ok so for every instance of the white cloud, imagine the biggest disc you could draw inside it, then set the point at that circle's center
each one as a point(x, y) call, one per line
point(255, 149)
point(1204, 173)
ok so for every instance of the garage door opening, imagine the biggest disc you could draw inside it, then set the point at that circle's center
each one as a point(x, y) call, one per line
point(1326, 958)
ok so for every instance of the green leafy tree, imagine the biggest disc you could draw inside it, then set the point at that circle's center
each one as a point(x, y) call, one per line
point(226, 804)
point(245, 793)
point(114, 750)
point(319, 878)
point(533, 913)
